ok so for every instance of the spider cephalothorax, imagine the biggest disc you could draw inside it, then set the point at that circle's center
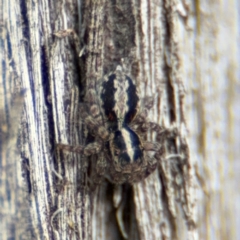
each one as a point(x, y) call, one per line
point(111, 117)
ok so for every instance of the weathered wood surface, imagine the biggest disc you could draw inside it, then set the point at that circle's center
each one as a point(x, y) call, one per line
point(190, 51)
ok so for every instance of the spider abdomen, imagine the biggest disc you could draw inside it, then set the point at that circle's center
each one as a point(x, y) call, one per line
point(120, 101)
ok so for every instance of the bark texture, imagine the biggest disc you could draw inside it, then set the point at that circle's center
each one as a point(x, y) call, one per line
point(184, 54)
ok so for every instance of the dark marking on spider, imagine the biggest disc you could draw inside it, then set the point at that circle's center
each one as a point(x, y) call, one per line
point(119, 98)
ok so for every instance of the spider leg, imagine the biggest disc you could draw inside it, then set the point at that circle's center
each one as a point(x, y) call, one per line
point(142, 123)
point(97, 170)
point(93, 151)
point(151, 146)
point(89, 149)
point(152, 164)
point(147, 104)
point(93, 120)
point(159, 147)
point(162, 133)
point(101, 164)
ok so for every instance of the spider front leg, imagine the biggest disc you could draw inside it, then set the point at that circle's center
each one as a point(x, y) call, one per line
point(147, 104)
point(174, 171)
point(150, 161)
point(93, 121)
point(162, 133)
point(158, 148)
point(94, 151)
point(98, 169)
point(89, 149)
point(142, 123)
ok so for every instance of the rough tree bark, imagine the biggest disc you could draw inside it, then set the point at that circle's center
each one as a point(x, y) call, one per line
point(185, 54)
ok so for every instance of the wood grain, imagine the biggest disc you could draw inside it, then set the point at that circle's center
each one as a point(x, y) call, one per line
point(184, 54)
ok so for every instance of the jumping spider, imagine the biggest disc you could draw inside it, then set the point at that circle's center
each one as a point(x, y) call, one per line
point(119, 128)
